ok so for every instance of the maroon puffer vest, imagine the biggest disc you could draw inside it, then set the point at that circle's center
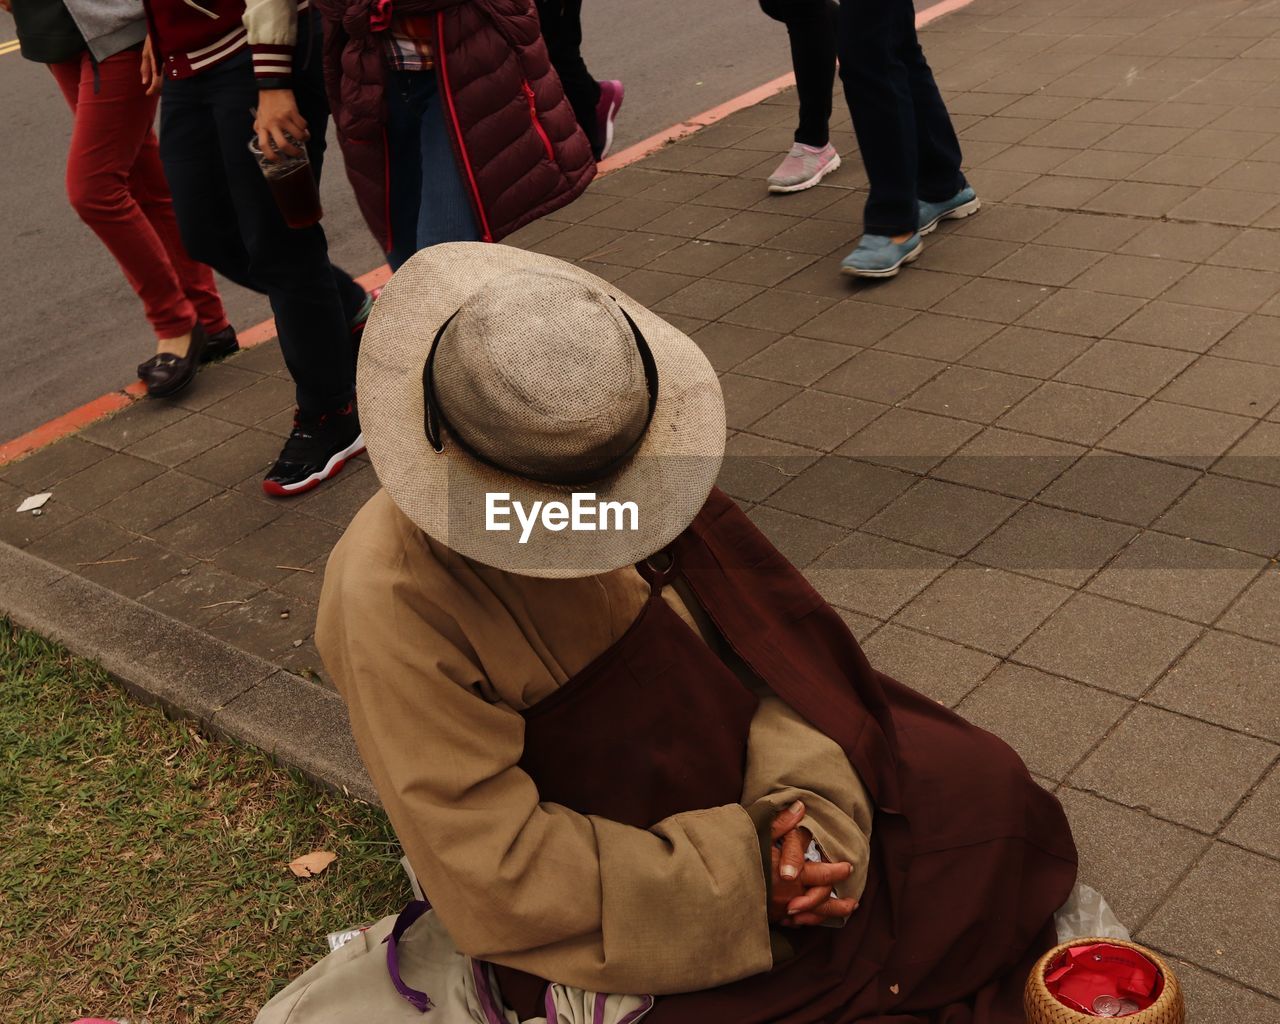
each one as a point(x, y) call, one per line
point(520, 151)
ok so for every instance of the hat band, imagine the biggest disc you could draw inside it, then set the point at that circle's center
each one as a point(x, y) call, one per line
point(435, 423)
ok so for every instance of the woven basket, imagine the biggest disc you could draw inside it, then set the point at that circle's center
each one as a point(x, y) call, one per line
point(1042, 1008)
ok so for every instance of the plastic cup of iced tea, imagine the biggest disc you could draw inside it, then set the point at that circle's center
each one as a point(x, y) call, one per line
point(292, 185)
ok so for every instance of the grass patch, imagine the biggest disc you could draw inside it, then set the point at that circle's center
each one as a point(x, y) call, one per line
point(143, 867)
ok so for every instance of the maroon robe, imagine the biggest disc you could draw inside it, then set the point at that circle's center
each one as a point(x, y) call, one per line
point(969, 856)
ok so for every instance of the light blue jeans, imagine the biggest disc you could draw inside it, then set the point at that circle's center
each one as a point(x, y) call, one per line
point(429, 201)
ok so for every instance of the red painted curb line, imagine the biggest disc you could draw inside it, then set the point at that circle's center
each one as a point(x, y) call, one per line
point(103, 406)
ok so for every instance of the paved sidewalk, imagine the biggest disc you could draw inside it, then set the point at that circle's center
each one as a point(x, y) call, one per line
point(1040, 471)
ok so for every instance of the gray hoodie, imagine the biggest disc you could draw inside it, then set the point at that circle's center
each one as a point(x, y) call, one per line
point(109, 26)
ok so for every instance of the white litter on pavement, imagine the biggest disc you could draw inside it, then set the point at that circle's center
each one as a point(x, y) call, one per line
point(35, 501)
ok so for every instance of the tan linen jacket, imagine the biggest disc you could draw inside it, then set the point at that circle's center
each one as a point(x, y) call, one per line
point(436, 656)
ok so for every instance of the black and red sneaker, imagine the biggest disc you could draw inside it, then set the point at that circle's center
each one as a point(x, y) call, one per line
point(318, 447)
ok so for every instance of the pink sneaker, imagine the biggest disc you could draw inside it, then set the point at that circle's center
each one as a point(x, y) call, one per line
point(607, 108)
point(803, 168)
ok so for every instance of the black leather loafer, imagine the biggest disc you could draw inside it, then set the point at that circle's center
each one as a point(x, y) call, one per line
point(165, 374)
point(220, 345)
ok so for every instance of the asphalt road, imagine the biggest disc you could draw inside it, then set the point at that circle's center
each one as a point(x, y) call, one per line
point(71, 327)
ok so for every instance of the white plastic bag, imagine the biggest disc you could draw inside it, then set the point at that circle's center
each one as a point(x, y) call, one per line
point(1087, 915)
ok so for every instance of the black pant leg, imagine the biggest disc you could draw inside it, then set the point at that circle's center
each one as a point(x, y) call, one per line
point(562, 31)
point(290, 264)
point(877, 86)
point(811, 29)
point(938, 154)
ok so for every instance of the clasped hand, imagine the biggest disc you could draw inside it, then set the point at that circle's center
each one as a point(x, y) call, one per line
point(801, 892)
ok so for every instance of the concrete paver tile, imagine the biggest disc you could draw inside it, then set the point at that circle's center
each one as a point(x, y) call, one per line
point(1120, 366)
point(1227, 385)
point(985, 608)
point(908, 440)
point(874, 575)
point(215, 524)
point(266, 397)
point(1107, 644)
point(1001, 302)
point(138, 567)
point(965, 254)
point(84, 539)
point(1229, 680)
point(1028, 352)
point(937, 668)
point(851, 322)
point(1177, 325)
point(777, 310)
point(201, 595)
point(696, 258)
point(22, 530)
point(727, 345)
point(155, 502)
point(1139, 199)
point(1142, 138)
point(1132, 858)
point(1120, 487)
point(818, 419)
point(1095, 231)
point(943, 516)
point(754, 467)
point(797, 360)
point(1052, 544)
point(43, 470)
point(841, 491)
point(1177, 433)
point(969, 393)
point(706, 299)
point(183, 440)
point(920, 289)
point(880, 376)
point(1226, 913)
point(1031, 159)
point(650, 287)
point(1257, 613)
point(1224, 206)
point(1257, 824)
point(1143, 276)
point(765, 267)
point(1075, 310)
point(1215, 1000)
point(799, 538)
point(144, 418)
point(292, 539)
point(1010, 463)
point(104, 480)
point(1182, 169)
point(1176, 768)
point(747, 399)
point(1226, 288)
point(1179, 240)
point(1009, 223)
point(1051, 722)
point(1068, 412)
point(1178, 576)
point(1059, 192)
point(1256, 456)
point(1252, 339)
point(1252, 249)
point(1044, 264)
point(620, 214)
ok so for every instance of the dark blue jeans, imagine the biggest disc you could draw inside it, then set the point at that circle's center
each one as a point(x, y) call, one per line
point(229, 220)
point(429, 202)
point(904, 131)
point(811, 28)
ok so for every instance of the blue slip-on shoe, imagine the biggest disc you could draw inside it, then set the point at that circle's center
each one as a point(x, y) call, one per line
point(880, 256)
point(963, 204)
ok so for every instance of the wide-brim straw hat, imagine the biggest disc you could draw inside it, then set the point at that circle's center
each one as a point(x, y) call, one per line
point(541, 372)
point(1041, 1007)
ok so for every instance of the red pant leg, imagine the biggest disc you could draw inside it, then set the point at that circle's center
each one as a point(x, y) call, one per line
point(113, 117)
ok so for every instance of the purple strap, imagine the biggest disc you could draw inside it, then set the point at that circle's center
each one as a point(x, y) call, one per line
point(420, 1001)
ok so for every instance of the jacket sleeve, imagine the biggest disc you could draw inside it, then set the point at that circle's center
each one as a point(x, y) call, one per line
point(272, 29)
point(788, 760)
point(577, 899)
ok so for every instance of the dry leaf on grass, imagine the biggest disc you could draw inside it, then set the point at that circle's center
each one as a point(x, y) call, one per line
point(312, 863)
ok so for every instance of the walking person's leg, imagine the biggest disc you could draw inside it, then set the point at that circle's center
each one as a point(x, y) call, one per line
point(595, 104)
point(943, 191)
point(305, 290)
point(811, 29)
point(444, 212)
point(148, 185)
point(113, 118)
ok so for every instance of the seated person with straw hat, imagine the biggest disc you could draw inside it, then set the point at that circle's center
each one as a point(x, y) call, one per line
point(625, 744)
